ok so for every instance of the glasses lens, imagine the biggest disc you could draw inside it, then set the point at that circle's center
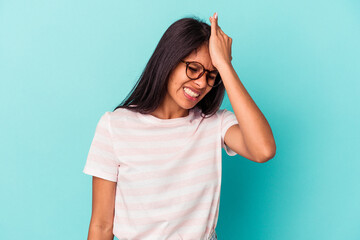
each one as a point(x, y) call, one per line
point(212, 79)
point(194, 70)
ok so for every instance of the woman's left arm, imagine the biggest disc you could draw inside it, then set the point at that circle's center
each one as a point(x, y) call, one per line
point(253, 130)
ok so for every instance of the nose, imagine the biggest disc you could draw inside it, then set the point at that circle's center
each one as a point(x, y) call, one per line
point(201, 82)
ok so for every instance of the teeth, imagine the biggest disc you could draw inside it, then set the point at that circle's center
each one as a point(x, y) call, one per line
point(191, 93)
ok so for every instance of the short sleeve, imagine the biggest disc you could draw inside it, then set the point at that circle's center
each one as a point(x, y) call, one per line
point(228, 119)
point(102, 161)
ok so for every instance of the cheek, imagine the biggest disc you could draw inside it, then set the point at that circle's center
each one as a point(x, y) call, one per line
point(173, 87)
point(176, 84)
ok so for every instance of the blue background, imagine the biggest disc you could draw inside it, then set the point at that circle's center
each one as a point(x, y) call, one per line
point(64, 63)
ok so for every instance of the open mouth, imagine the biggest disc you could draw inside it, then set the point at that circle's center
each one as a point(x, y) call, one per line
point(191, 93)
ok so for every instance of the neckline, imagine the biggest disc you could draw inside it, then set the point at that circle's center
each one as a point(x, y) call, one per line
point(165, 122)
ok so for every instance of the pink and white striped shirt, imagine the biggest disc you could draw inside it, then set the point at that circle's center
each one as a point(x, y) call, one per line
point(168, 172)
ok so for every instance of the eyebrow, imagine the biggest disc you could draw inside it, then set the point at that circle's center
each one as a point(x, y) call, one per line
point(215, 70)
point(212, 71)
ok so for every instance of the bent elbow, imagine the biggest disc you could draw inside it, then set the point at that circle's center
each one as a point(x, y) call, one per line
point(267, 156)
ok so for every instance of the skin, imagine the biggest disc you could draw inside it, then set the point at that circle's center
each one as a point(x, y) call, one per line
point(175, 104)
point(251, 138)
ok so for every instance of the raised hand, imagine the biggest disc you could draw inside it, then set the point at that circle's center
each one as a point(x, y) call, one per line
point(219, 44)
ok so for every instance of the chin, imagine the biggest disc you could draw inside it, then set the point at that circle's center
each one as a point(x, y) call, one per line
point(187, 106)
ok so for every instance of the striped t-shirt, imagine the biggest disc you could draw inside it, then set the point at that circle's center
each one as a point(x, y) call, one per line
point(168, 172)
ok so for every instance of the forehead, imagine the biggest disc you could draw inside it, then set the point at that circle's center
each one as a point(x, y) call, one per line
point(202, 56)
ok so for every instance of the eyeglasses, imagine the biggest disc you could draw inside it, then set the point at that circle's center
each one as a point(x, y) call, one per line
point(194, 70)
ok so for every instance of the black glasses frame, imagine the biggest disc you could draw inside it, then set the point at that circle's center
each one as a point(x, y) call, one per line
point(204, 70)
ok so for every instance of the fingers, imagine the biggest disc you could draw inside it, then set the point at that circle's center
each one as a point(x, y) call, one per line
point(214, 25)
point(221, 32)
point(215, 28)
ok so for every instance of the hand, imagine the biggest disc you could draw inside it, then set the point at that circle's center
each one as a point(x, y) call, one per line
point(219, 44)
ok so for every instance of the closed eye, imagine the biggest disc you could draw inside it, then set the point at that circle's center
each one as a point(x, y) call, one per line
point(193, 69)
point(212, 77)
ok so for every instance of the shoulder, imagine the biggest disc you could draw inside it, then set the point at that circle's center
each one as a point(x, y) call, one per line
point(223, 116)
point(120, 113)
point(208, 119)
point(109, 118)
point(224, 113)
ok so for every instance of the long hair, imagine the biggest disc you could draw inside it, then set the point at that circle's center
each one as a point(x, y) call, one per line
point(179, 40)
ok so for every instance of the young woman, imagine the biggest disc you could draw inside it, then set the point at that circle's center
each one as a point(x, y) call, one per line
point(156, 159)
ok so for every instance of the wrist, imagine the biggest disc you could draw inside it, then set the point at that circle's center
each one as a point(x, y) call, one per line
point(224, 67)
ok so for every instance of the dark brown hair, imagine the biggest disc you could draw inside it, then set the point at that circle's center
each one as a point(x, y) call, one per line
point(179, 40)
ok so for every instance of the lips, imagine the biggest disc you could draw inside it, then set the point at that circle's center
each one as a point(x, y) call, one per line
point(190, 97)
point(197, 92)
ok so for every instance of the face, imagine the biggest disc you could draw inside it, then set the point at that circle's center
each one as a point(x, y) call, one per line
point(180, 89)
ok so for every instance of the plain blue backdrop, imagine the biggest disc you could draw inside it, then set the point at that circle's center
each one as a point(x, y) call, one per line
point(64, 63)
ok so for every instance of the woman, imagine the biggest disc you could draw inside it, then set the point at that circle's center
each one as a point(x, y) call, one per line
point(156, 159)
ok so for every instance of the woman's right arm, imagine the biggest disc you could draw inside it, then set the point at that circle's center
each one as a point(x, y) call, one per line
point(103, 208)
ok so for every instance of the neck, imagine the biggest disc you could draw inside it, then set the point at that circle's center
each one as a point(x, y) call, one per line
point(164, 113)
